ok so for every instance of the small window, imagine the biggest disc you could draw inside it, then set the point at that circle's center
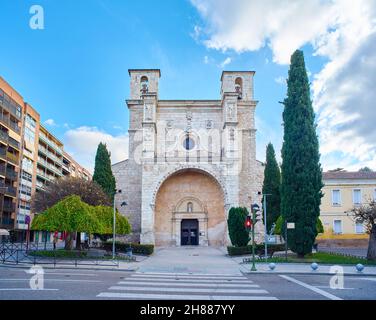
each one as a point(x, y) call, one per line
point(189, 207)
point(239, 87)
point(337, 226)
point(359, 227)
point(336, 197)
point(189, 144)
point(357, 196)
point(144, 85)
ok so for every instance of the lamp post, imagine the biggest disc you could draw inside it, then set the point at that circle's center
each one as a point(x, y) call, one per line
point(114, 223)
point(114, 226)
point(255, 208)
point(265, 227)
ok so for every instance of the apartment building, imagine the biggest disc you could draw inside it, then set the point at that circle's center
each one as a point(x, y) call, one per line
point(30, 157)
point(73, 168)
point(11, 103)
point(343, 191)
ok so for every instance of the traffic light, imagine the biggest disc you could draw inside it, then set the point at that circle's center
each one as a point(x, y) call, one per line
point(248, 223)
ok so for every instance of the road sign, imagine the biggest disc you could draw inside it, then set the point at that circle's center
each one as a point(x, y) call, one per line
point(272, 239)
point(291, 225)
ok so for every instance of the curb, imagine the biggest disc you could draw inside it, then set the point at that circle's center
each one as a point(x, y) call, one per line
point(309, 273)
point(24, 266)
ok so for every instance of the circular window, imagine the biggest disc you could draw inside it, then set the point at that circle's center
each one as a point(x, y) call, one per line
point(189, 143)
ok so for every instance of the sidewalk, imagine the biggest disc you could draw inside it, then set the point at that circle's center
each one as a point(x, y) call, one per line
point(302, 268)
point(89, 264)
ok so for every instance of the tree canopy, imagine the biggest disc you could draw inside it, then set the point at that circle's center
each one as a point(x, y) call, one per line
point(73, 215)
point(301, 170)
point(271, 187)
point(239, 236)
point(102, 171)
point(367, 214)
point(89, 192)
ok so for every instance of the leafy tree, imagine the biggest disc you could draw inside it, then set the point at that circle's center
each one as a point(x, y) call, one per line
point(280, 223)
point(70, 215)
point(239, 236)
point(102, 171)
point(105, 216)
point(89, 192)
point(367, 214)
point(301, 170)
point(271, 186)
point(365, 169)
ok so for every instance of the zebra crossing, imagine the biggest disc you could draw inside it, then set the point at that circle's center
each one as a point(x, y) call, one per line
point(173, 286)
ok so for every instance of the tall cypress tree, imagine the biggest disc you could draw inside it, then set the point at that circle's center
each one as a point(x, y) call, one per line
point(102, 171)
point(301, 170)
point(271, 187)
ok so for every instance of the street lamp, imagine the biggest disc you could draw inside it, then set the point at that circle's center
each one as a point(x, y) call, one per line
point(255, 208)
point(265, 227)
point(114, 223)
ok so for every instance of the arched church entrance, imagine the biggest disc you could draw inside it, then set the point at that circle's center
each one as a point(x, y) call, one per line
point(189, 210)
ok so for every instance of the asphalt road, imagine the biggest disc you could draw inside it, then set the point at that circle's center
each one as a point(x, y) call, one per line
point(89, 284)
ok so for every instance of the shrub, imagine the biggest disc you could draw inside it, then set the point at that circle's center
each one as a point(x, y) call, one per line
point(238, 234)
point(146, 249)
point(259, 249)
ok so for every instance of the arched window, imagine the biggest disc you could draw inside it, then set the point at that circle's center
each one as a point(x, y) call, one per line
point(144, 85)
point(189, 143)
point(239, 87)
point(189, 207)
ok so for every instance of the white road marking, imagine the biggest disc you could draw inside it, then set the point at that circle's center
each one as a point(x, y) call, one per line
point(327, 287)
point(180, 284)
point(26, 289)
point(192, 290)
point(169, 276)
point(192, 274)
point(314, 289)
point(52, 280)
point(189, 280)
point(73, 274)
point(179, 297)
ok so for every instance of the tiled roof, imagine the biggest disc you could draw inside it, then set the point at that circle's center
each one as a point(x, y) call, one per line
point(349, 175)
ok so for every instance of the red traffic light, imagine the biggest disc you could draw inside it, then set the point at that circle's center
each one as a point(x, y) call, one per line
point(248, 222)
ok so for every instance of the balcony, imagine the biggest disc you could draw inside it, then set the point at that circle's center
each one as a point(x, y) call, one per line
point(10, 105)
point(13, 158)
point(9, 207)
point(2, 170)
point(11, 174)
point(10, 191)
point(52, 144)
point(10, 124)
point(7, 223)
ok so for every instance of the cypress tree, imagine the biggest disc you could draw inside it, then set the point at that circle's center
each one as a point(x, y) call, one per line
point(271, 186)
point(102, 171)
point(239, 236)
point(301, 170)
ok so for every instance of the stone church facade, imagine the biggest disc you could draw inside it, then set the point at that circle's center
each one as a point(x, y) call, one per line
point(189, 162)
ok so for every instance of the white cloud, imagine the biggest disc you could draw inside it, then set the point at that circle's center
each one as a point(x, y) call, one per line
point(50, 122)
point(341, 31)
point(280, 80)
point(206, 59)
point(82, 144)
point(225, 62)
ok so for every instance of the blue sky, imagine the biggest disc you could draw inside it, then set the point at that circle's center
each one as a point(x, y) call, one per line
point(74, 71)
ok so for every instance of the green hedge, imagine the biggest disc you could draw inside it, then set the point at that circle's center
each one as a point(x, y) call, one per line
point(146, 249)
point(259, 249)
point(58, 253)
